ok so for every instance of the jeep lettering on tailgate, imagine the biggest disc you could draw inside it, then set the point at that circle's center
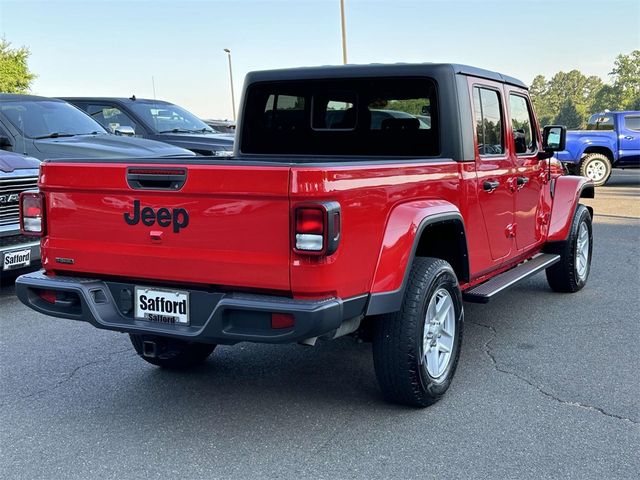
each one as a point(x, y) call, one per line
point(178, 217)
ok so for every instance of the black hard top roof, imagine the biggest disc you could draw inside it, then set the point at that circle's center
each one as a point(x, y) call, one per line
point(377, 69)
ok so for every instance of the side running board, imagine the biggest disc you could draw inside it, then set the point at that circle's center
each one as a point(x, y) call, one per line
point(485, 291)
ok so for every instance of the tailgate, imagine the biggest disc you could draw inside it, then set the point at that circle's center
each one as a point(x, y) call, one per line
point(217, 224)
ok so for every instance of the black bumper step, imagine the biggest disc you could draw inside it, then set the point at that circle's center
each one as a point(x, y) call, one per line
point(485, 291)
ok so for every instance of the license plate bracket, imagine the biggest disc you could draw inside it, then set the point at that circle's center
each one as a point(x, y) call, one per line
point(160, 305)
point(16, 259)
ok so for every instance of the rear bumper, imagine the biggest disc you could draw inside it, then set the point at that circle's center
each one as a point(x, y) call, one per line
point(216, 317)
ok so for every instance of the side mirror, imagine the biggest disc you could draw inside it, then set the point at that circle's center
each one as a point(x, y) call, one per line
point(554, 138)
point(124, 130)
point(5, 142)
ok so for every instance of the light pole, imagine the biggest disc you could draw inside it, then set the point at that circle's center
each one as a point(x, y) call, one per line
point(233, 99)
point(344, 34)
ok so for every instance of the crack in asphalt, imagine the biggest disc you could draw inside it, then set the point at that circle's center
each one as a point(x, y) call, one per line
point(70, 375)
point(487, 350)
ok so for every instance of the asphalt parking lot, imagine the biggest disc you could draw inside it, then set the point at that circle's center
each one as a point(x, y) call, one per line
point(548, 387)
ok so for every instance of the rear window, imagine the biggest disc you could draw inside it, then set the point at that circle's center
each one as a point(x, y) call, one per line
point(600, 122)
point(372, 117)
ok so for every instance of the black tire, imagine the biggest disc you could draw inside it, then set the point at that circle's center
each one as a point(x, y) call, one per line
point(398, 353)
point(565, 276)
point(596, 167)
point(172, 353)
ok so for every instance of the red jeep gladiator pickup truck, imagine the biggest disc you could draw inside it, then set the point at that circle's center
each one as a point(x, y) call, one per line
point(371, 199)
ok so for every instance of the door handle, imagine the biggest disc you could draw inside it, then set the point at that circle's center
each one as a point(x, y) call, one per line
point(490, 185)
point(628, 137)
point(521, 182)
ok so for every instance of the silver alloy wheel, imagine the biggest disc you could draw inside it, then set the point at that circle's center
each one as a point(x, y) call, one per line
point(596, 170)
point(439, 330)
point(582, 251)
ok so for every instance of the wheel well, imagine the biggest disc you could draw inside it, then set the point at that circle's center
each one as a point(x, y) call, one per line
point(446, 240)
point(588, 191)
point(603, 150)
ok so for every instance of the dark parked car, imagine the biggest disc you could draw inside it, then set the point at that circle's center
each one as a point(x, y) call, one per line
point(17, 252)
point(156, 120)
point(50, 128)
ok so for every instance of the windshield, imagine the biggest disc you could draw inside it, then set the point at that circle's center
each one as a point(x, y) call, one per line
point(48, 118)
point(165, 118)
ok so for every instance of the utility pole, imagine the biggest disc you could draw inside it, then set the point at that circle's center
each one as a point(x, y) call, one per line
point(344, 34)
point(233, 99)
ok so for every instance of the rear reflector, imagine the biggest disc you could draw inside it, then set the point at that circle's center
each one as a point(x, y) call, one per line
point(48, 296)
point(282, 320)
point(31, 213)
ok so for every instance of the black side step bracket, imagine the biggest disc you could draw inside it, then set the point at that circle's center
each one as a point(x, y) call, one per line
point(485, 291)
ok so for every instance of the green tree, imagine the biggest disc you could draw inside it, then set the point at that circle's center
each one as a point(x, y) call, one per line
point(549, 97)
point(568, 115)
point(15, 76)
point(538, 91)
point(626, 80)
point(607, 98)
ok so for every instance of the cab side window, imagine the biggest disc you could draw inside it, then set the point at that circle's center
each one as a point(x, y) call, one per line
point(521, 124)
point(632, 122)
point(488, 116)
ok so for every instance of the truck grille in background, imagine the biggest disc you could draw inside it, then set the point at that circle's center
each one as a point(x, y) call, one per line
point(9, 188)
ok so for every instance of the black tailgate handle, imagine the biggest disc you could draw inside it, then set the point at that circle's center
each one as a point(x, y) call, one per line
point(140, 178)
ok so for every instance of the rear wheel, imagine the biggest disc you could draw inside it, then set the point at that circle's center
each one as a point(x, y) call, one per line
point(596, 167)
point(570, 274)
point(169, 352)
point(416, 350)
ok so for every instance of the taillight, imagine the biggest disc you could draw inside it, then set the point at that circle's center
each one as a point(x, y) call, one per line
point(317, 228)
point(32, 213)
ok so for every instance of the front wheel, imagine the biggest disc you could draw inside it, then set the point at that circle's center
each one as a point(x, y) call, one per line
point(596, 167)
point(170, 353)
point(416, 350)
point(570, 274)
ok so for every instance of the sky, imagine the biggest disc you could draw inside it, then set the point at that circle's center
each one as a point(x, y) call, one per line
point(116, 48)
